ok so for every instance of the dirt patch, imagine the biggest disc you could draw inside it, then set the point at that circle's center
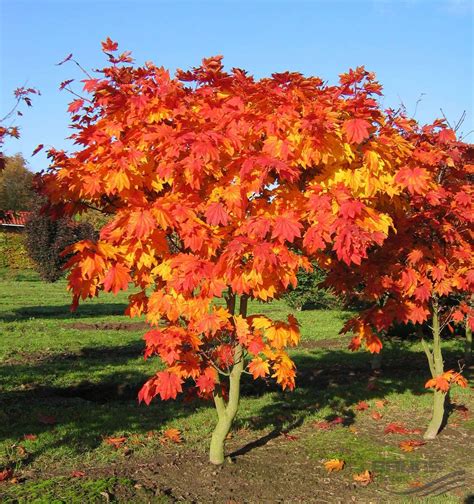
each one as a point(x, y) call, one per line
point(108, 326)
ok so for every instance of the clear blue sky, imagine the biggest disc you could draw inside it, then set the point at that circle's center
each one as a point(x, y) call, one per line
point(415, 47)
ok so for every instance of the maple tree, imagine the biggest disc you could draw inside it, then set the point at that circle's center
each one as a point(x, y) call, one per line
point(424, 272)
point(221, 188)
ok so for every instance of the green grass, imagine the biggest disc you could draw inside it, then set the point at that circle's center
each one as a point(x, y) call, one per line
point(87, 379)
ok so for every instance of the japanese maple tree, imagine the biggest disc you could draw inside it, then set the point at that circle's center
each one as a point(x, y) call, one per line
point(424, 272)
point(221, 188)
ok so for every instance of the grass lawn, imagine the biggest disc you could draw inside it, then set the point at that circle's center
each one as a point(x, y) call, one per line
point(69, 381)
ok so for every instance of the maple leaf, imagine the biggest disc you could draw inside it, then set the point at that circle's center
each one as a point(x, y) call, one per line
point(173, 435)
point(216, 215)
point(334, 465)
point(396, 428)
point(356, 130)
point(75, 105)
point(117, 278)
point(37, 149)
point(116, 442)
point(141, 223)
point(6, 474)
point(77, 474)
point(286, 228)
point(362, 406)
point(409, 446)
point(207, 380)
point(363, 478)
point(416, 180)
point(259, 368)
point(109, 46)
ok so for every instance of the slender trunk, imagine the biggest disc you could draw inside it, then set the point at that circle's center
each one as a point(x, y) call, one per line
point(376, 361)
point(468, 344)
point(435, 360)
point(226, 412)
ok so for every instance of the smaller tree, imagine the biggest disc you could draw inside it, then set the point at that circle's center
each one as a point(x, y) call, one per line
point(15, 185)
point(311, 293)
point(46, 240)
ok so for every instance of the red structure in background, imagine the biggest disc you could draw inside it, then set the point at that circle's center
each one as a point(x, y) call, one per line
point(13, 219)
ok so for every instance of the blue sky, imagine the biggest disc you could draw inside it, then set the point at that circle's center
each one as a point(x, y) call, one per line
point(415, 47)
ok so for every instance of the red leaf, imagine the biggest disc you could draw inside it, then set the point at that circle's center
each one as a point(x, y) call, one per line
point(216, 214)
point(109, 46)
point(37, 149)
point(6, 474)
point(78, 474)
point(361, 406)
point(30, 437)
point(75, 105)
point(286, 228)
point(356, 130)
point(117, 278)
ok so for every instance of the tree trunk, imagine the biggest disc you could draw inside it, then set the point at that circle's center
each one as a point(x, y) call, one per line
point(435, 361)
point(468, 344)
point(376, 361)
point(226, 412)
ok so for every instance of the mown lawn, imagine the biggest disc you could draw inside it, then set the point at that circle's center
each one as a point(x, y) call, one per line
point(69, 381)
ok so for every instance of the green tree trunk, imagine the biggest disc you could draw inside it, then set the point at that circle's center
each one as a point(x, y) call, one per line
point(435, 361)
point(376, 361)
point(226, 411)
point(468, 344)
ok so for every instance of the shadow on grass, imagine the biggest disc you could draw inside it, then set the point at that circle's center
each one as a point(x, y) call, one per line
point(88, 411)
point(91, 310)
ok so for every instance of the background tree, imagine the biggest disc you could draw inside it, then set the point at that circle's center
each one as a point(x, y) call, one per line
point(46, 239)
point(16, 192)
point(215, 181)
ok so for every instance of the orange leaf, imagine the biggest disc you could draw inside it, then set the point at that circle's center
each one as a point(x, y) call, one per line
point(408, 446)
point(364, 478)
point(356, 130)
point(259, 368)
point(376, 415)
point(78, 474)
point(117, 278)
point(116, 442)
point(334, 465)
point(173, 435)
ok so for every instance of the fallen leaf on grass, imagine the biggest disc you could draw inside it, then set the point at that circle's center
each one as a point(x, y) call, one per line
point(381, 403)
point(334, 465)
point(376, 415)
point(396, 428)
point(47, 419)
point(323, 425)
point(78, 474)
point(362, 406)
point(336, 421)
point(6, 474)
point(353, 430)
point(290, 437)
point(173, 435)
point(415, 484)
point(363, 478)
point(30, 437)
point(409, 446)
point(116, 442)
